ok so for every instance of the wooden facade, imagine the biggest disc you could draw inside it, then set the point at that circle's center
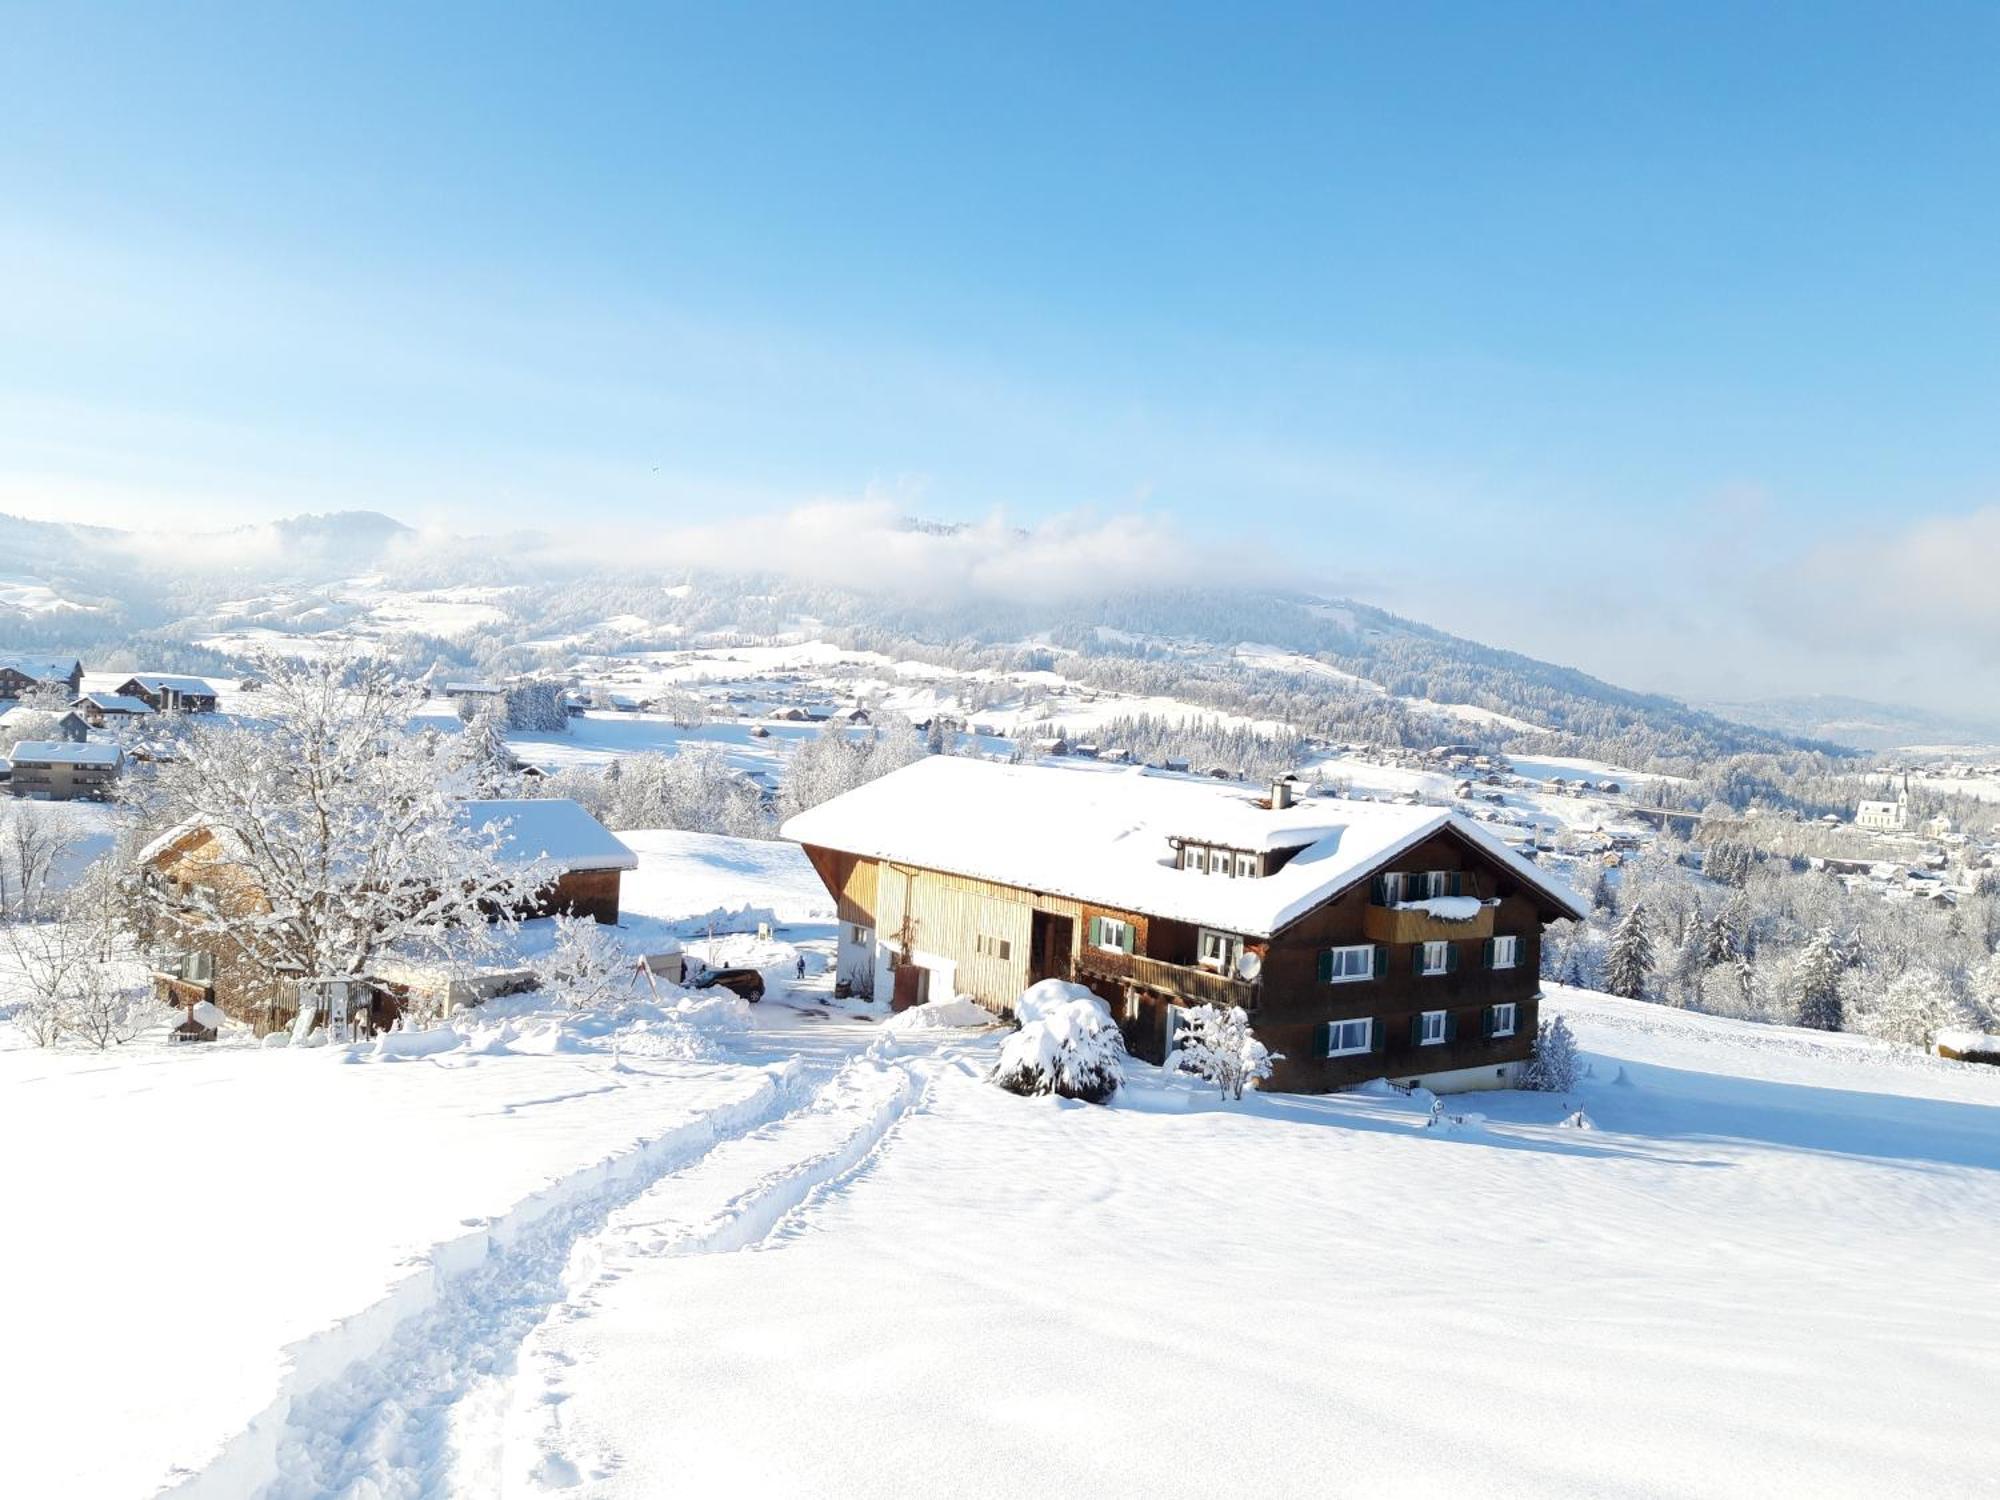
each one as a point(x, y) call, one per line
point(991, 941)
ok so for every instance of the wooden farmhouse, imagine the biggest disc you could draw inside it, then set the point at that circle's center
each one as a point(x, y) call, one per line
point(100, 710)
point(587, 859)
point(23, 674)
point(67, 725)
point(186, 695)
point(1364, 939)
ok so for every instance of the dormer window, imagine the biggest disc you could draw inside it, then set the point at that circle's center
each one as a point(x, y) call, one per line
point(1236, 864)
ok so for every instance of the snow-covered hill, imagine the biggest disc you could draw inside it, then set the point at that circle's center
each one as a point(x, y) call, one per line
point(812, 1257)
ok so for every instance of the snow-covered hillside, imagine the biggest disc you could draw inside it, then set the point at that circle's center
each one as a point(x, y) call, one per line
point(820, 1256)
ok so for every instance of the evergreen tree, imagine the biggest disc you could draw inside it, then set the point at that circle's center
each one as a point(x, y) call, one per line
point(1628, 967)
point(1719, 941)
point(1816, 984)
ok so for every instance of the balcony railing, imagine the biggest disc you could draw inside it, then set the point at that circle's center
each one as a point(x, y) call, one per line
point(1395, 924)
point(1197, 986)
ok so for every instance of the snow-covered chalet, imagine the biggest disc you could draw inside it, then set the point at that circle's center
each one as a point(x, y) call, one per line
point(1364, 939)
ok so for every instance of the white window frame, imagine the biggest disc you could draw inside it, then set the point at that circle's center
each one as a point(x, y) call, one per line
point(1392, 888)
point(1506, 951)
point(1246, 866)
point(1111, 933)
point(1425, 969)
point(1336, 1030)
point(1511, 1012)
point(1194, 857)
point(1229, 943)
point(860, 936)
point(1366, 954)
point(1437, 883)
point(1219, 863)
point(1175, 1015)
point(1431, 1033)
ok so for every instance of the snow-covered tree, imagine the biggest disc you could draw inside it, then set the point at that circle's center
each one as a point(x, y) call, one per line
point(34, 837)
point(1628, 964)
point(483, 752)
point(538, 707)
point(1067, 1045)
point(1554, 1067)
point(1916, 1006)
point(340, 835)
point(1215, 1043)
point(1816, 983)
point(586, 965)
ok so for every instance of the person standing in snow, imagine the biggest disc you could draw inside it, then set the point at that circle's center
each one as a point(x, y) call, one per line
point(802, 966)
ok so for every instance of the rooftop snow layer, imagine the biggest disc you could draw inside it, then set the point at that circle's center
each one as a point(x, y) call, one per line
point(552, 828)
point(117, 703)
point(1105, 836)
point(153, 682)
point(40, 668)
point(62, 752)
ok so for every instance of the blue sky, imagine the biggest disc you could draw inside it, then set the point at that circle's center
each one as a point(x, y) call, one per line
point(1656, 338)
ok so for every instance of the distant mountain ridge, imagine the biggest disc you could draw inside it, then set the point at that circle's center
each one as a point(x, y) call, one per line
point(1859, 722)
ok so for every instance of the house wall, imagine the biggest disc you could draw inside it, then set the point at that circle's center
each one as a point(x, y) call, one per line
point(940, 918)
point(42, 782)
point(582, 893)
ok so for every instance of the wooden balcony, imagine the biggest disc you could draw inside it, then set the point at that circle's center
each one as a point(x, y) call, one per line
point(171, 989)
point(1391, 924)
point(1184, 982)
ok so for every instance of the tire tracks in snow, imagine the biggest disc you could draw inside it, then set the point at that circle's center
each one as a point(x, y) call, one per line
point(365, 1412)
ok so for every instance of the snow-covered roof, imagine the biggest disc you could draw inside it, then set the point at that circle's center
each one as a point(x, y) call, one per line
point(22, 711)
point(154, 682)
point(1101, 835)
point(63, 752)
point(474, 687)
point(41, 668)
point(117, 703)
point(551, 828)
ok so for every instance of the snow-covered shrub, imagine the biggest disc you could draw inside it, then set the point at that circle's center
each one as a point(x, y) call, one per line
point(1553, 1069)
point(1216, 1044)
point(941, 1015)
point(1916, 1006)
point(586, 966)
point(1067, 1045)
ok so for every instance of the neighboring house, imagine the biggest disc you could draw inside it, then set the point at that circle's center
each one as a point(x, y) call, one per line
point(588, 861)
point(65, 726)
point(1365, 939)
point(21, 674)
point(101, 709)
point(61, 771)
point(1883, 817)
point(477, 692)
point(187, 695)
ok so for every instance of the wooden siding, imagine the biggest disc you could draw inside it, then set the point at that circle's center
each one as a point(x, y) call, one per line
point(947, 915)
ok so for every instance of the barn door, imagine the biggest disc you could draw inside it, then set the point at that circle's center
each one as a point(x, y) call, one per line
point(913, 987)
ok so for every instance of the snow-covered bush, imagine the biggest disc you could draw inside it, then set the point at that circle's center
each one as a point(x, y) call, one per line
point(1915, 1007)
point(1554, 1068)
point(1216, 1044)
point(586, 966)
point(1067, 1045)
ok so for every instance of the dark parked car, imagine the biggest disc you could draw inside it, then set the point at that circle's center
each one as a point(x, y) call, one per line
point(745, 982)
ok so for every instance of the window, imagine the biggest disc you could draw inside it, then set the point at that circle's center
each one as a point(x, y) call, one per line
point(1438, 882)
point(993, 947)
point(1111, 934)
point(1435, 958)
point(1134, 1006)
point(1220, 950)
point(1430, 1029)
point(1246, 867)
point(1500, 1020)
point(1392, 888)
point(860, 937)
point(1345, 965)
point(1176, 1019)
point(1345, 1038)
point(1218, 862)
point(1506, 952)
point(1194, 857)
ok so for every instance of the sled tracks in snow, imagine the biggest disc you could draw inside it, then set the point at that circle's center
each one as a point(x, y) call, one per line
point(409, 1399)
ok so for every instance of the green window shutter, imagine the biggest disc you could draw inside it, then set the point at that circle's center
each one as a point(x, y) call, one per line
point(1417, 1029)
point(1326, 966)
point(1130, 939)
point(1451, 1026)
point(1323, 1038)
point(1486, 954)
point(1458, 882)
point(1381, 959)
point(1378, 1036)
point(1416, 958)
point(1451, 958)
point(1379, 891)
point(1094, 933)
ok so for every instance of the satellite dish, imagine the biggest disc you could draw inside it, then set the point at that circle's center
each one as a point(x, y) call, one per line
point(1249, 965)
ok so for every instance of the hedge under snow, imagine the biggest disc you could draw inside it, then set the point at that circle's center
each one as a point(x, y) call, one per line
point(1067, 1045)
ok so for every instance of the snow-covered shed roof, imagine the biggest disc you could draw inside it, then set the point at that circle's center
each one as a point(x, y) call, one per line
point(551, 828)
point(41, 668)
point(1101, 835)
point(154, 682)
point(117, 703)
point(22, 712)
point(475, 689)
point(66, 753)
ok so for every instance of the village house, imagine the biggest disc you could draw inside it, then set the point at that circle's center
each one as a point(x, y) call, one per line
point(1364, 939)
point(100, 710)
point(588, 862)
point(62, 771)
point(23, 674)
point(21, 719)
point(168, 694)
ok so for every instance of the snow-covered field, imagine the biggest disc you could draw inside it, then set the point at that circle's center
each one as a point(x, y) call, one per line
point(826, 1258)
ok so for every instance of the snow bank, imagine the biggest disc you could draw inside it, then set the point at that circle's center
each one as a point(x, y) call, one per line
point(1444, 908)
point(941, 1015)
